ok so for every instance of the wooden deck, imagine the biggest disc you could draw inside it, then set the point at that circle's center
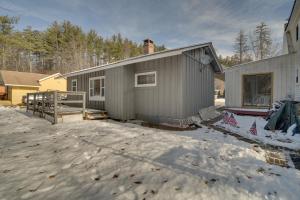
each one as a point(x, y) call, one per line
point(55, 104)
point(58, 106)
point(65, 110)
point(89, 114)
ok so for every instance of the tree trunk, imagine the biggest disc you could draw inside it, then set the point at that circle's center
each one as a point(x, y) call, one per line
point(30, 64)
point(3, 57)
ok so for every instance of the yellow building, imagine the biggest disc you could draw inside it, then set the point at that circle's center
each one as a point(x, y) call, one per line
point(16, 85)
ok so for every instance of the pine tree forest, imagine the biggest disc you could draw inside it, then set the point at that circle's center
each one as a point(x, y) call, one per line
point(62, 47)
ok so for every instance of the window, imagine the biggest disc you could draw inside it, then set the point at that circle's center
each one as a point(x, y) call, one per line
point(74, 85)
point(257, 90)
point(297, 32)
point(97, 88)
point(146, 79)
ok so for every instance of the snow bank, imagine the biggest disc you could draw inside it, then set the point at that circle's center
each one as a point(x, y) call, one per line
point(208, 113)
point(277, 138)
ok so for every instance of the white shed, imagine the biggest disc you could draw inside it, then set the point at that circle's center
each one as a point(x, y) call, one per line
point(260, 83)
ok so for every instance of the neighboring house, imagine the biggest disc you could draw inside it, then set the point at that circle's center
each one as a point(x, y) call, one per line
point(17, 84)
point(166, 86)
point(260, 83)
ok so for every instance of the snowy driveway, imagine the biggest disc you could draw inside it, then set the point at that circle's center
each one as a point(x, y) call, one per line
point(111, 160)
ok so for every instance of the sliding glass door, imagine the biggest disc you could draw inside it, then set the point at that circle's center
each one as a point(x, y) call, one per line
point(257, 90)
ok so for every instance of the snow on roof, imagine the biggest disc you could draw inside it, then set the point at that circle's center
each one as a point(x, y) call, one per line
point(153, 56)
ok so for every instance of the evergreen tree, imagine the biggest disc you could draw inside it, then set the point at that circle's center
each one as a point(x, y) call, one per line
point(228, 61)
point(62, 47)
point(6, 27)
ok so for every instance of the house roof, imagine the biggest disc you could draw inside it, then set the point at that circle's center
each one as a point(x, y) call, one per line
point(14, 78)
point(256, 61)
point(153, 56)
point(296, 6)
point(57, 75)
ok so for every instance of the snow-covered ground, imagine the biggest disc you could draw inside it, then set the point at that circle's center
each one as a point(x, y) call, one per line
point(111, 160)
point(277, 138)
point(220, 102)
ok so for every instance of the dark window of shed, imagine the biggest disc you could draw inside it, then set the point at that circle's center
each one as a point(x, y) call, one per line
point(297, 32)
point(257, 90)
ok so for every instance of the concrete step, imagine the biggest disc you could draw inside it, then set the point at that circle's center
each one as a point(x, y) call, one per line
point(95, 116)
point(96, 112)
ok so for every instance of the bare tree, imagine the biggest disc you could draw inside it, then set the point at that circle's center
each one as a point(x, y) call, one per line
point(241, 47)
point(261, 41)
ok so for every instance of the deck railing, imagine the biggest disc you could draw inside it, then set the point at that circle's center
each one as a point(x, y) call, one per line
point(52, 104)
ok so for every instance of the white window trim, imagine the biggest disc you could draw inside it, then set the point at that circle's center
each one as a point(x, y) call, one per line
point(96, 98)
point(74, 80)
point(145, 85)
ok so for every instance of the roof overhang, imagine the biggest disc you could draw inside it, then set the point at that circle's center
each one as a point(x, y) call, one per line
point(217, 64)
point(35, 86)
point(257, 62)
point(295, 6)
point(148, 57)
point(52, 76)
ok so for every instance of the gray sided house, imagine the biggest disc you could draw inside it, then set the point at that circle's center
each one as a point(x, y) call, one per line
point(260, 83)
point(158, 87)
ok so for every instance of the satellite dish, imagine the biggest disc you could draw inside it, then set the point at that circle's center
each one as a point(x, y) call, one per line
point(205, 59)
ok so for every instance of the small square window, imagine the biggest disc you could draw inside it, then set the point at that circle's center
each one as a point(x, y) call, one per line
point(146, 79)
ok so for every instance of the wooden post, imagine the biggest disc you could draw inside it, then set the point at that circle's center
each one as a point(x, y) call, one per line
point(27, 102)
point(55, 106)
point(43, 104)
point(83, 105)
point(34, 102)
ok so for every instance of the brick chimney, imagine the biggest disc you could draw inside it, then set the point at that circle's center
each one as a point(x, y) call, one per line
point(148, 46)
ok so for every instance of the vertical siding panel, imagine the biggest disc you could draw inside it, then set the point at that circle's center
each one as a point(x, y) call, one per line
point(161, 102)
point(156, 94)
point(168, 89)
point(173, 87)
point(198, 85)
point(83, 85)
point(178, 81)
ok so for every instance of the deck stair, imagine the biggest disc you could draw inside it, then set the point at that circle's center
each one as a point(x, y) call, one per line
point(96, 115)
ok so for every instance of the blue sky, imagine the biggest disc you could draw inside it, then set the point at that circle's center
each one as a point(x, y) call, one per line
point(174, 23)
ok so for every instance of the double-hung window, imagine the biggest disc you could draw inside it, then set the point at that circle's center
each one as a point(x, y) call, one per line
point(146, 79)
point(74, 85)
point(97, 88)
